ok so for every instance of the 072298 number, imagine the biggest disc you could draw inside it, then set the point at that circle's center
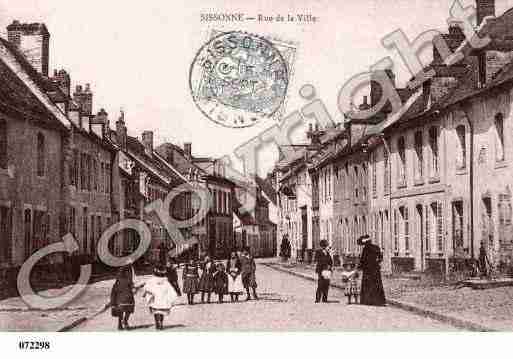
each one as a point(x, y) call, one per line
point(36, 345)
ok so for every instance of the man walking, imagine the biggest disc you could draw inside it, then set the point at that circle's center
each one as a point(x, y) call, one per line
point(323, 269)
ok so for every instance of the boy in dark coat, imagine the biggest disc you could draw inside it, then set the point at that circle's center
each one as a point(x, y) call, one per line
point(221, 281)
point(372, 292)
point(248, 273)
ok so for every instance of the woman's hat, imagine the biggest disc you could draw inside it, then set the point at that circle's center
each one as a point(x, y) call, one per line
point(363, 239)
point(159, 271)
point(323, 243)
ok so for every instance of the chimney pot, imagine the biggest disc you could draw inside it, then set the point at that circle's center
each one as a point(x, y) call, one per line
point(187, 148)
point(147, 140)
point(484, 8)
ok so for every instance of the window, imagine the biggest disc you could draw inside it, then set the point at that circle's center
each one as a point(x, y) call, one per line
point(406, 227)
point(85, 232)
point(107, 178)
point(94, 175)
point(462, 147)
point(401, 165)
point(419, 163)
point(396, 231)
point(329, 182)
point(386, 173)
point(355, 182)
point(40, 230)
point(457, 227)
point(499, 127)
point(73, 171)
point(505, 219)
point(28, 232)
point(89, 176)
point(5, 234)
point(3, 144)
point(82, 172)
point(433, 147)
point(436, 219)
point(374, 174)
point(40, 165)
point(363, 181)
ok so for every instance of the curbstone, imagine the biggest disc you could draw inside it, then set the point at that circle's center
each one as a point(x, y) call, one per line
point(81, 320)
point(413, 308)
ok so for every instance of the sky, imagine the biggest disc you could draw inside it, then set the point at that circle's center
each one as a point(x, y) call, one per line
point(136, 54)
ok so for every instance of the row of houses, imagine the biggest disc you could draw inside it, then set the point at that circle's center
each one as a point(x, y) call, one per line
point(431, 182)
point(65, 169)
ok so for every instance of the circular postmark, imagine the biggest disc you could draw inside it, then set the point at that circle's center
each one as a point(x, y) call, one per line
point(237, 79)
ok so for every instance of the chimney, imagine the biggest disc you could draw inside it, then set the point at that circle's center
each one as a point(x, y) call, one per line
point(63, 80)
point(453, 40)
point(484, 8)
point(365, 105)
point(147, 140)
point(84, 98)
point(100, 124)
point(121, 132)
point(376, 91)
point(170, 155)
point(187, 148)
point(33, 41)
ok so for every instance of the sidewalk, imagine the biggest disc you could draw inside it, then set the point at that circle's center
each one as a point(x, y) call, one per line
point(15, 315)
point(481, 310)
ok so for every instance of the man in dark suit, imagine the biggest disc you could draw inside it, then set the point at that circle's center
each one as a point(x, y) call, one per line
point(324, 263)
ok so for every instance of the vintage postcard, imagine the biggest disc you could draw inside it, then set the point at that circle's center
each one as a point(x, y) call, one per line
point(309, 166)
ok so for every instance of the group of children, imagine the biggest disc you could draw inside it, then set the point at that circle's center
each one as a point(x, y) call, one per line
point(215, 278)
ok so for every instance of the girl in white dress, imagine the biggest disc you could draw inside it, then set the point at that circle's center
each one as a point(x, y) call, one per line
point(160, 296)
point(235, 287)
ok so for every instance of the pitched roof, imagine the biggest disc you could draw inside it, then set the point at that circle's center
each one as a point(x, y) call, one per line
point(18, 97)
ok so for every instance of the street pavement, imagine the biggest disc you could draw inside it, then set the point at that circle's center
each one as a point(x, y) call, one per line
point(286, 303)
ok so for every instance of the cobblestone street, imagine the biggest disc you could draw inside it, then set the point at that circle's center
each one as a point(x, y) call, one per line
point(286, 303)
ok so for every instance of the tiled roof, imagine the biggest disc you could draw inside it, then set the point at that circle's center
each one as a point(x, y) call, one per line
point(17, 100)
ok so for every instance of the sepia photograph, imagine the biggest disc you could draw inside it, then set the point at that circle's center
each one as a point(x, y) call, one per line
point(255, 167)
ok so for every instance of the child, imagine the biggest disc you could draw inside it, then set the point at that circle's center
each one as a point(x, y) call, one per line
point(206, 282)
point(350, 278)
point(220, 281)
point(160, 295)
point(190, 280)
point(235, 287)
point(122, 297)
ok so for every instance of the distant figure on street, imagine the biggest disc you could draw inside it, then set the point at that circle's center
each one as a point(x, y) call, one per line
point(484, 263)
point(122, 297)
point(324, 264)
point(285, 248)
point(160, 295)
point(206, 283)
point(233, 261)
point(172, 275)
point(248, 273)
point(190, 280)
point(372, 292)
point(220, 281)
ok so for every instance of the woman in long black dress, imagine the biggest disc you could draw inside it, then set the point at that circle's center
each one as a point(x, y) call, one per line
point(122, 297)
point(372, 292)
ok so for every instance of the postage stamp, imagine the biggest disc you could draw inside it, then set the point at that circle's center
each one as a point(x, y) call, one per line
point(238, 78)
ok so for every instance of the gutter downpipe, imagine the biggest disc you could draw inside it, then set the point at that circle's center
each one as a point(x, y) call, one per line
point(471, 180)
point(387, 148)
